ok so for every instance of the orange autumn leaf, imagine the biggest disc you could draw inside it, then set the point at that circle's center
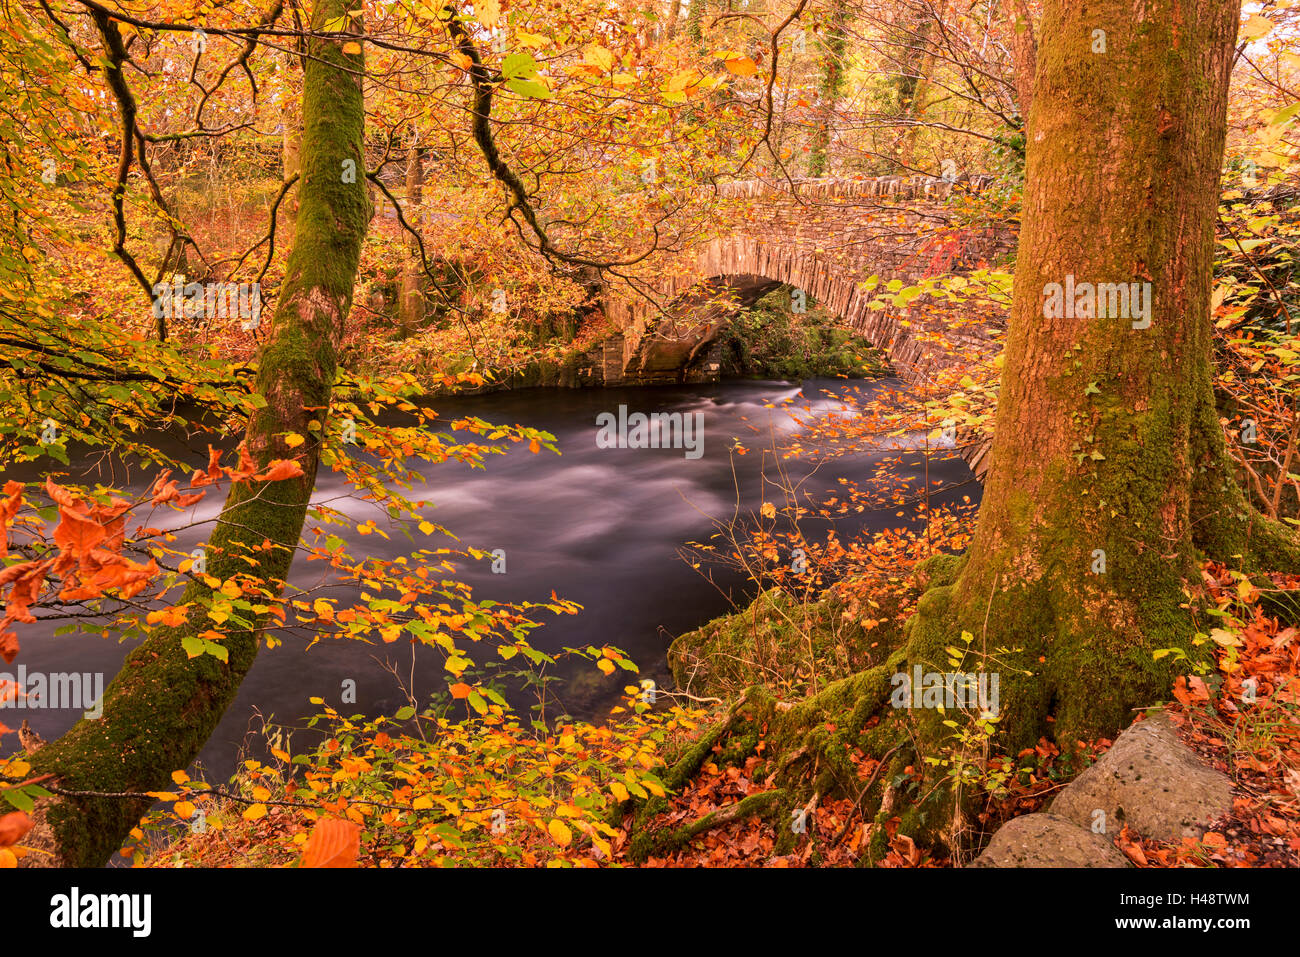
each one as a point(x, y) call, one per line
point(333, 842)
point(163, 490)
point(59, 494)
point(280, 470)
point(460, 690)
point(76, 533)
point(246, 466)
point(13, 826)
point(171, 617)
point(8, 509)
point(214, 470)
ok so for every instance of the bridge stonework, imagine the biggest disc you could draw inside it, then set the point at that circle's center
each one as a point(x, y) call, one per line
point(826, 237)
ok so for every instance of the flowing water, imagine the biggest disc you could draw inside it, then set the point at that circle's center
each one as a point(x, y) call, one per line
point(600, 526)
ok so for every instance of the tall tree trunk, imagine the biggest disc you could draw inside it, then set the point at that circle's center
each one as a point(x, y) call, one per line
point(695, 22)
point(1024, 55)
point(291, 141)
point(923, 58)
point(1109, 478)
point(411, 306)
point(162, 707)
point(674, 12)
point(828, 92)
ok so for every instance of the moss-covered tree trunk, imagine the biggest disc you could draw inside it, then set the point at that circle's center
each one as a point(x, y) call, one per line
point(1109, 480)
point(162, 707)
point(674, 12)
point(922, 60)
point(828, 90)
point(695, 22)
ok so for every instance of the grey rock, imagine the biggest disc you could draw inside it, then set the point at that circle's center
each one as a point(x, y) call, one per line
point(1150, 781)
point(1045, 840)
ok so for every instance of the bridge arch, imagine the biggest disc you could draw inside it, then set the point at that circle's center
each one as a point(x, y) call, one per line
point(825, 237)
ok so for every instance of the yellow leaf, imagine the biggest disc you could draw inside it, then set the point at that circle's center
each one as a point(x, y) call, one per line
point(260, 794)
point(352, 48)
point(560, 832)
point(293, 439)
point(255, 812)
point(488, 12)
point(184, 810)
point(618, 791)
point(606, 666)
point(1221, 636)
point(742, 66)
point(680, 81)
point(180, 777)
point(1256, 27)
point(597, 56)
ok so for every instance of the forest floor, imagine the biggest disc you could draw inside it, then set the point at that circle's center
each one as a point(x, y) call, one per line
point(1256, 744)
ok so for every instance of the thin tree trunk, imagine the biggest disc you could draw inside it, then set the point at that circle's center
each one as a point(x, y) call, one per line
point(828, 93)
point(411, 306)
point(695, 22)
point(1024, 55)
point(162, 707)
point(674, 12)
point(921, 87)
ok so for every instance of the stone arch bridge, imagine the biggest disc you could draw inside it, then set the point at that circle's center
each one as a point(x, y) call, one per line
point(826, 237)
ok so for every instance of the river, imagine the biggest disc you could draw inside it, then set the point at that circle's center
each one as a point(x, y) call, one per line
point(601, 526)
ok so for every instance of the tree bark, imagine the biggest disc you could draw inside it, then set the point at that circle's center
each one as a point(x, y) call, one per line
point(919, 92)
point(411, 305)
point(1024, 56)
point(162, 707)
point(674, 12)
point(1109, 480)
point(832, 82)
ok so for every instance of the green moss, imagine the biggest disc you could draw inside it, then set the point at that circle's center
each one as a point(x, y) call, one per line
point(781, 641)
point(162, 707)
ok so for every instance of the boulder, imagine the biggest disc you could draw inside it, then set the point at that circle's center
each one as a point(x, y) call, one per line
point(1150, 781)
point(1045, 840)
